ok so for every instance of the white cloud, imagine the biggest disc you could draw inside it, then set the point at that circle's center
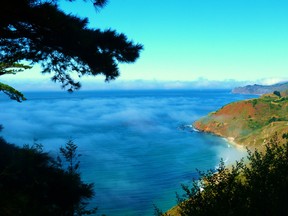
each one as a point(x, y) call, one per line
point(43, 83)
point(272, 80)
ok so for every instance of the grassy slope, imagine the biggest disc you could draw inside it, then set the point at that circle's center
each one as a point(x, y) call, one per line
point(249, 122)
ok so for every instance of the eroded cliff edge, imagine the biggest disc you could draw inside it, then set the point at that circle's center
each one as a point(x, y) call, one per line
point(250, 122)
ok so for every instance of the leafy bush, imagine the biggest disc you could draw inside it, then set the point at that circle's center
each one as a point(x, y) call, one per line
point(254, 102)
point(274, 119)
point(277, 93)
point(254, 124)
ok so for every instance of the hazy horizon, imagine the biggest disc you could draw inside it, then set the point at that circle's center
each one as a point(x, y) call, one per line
point(45, 84)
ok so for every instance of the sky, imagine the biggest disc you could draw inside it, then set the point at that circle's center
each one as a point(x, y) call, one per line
point(188, 43)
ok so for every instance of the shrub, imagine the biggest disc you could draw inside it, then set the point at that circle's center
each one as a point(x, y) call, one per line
point(33, 183)
point(277, 93)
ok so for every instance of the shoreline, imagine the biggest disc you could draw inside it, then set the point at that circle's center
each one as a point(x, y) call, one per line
point(231, 140)
point(174, 211)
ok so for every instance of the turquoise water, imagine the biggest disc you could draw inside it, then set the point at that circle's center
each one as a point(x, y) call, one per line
point(134, 145)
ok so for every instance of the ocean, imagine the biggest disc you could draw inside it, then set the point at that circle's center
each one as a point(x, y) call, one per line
point(137, 147)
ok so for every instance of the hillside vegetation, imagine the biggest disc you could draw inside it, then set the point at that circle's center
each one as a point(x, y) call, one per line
point(250, 122)
point(34, 183)
point(256, 188)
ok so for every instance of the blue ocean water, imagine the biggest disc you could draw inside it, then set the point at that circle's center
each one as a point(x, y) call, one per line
point(134, 144)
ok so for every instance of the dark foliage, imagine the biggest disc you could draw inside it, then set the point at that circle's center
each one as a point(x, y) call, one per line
point(259, 187)
point(12, 68)
point(12, 93)
point(39, 32)
point(277, 93)
point(32, 183)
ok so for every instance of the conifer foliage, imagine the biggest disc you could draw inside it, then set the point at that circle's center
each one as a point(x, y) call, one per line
point(33, 183)
point(12, 68)
point(39, 32)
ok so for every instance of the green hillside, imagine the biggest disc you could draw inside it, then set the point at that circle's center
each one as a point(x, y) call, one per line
point(249, 122)
point(257, 186)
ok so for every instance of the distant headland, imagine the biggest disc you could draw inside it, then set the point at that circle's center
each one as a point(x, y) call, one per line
point(261, 89)
point(250, 122)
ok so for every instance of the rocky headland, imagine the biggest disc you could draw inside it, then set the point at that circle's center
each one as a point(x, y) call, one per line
point(261, 89)
point(250, 122)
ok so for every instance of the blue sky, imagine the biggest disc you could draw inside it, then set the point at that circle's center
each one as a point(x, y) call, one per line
point(189, 42)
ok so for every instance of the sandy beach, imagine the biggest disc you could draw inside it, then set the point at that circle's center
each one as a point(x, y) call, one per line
point(231, 140)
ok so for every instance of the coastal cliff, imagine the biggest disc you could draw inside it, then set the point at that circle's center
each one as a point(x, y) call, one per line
point(250, 122)
point(260, 89)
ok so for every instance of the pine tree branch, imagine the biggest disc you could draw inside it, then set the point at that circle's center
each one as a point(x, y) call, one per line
point(11, 92)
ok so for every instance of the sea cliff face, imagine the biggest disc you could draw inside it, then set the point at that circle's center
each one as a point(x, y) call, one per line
point(249, 122)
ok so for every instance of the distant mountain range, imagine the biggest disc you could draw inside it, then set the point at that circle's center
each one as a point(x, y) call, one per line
point(261, 89)
point(249, 122)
